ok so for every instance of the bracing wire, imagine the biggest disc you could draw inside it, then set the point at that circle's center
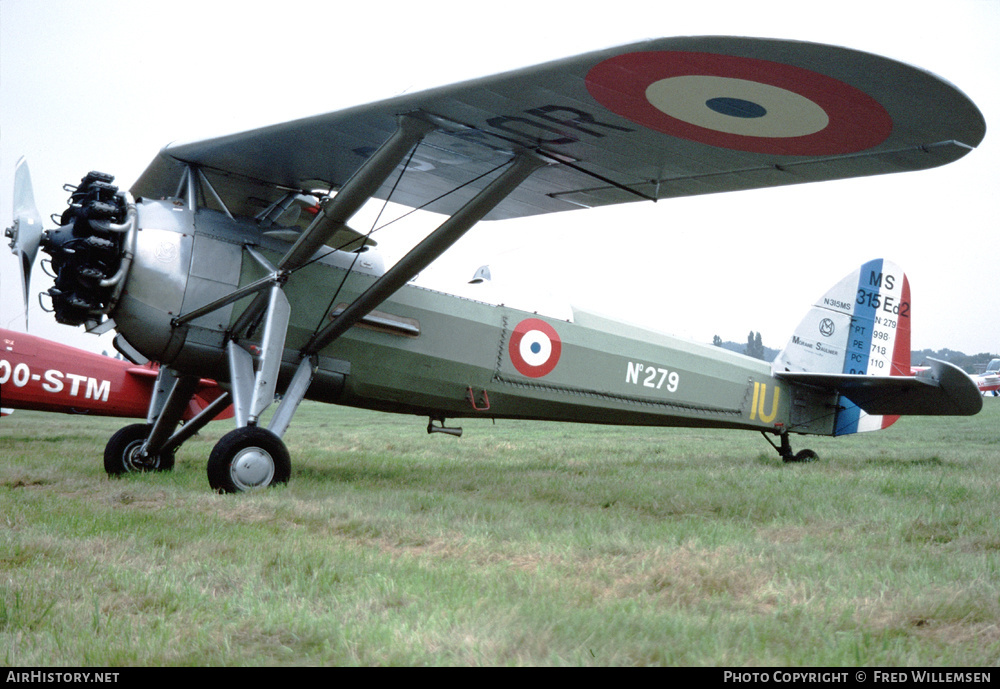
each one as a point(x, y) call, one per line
point(404, 215)
point(376, 227)
point(357, 254)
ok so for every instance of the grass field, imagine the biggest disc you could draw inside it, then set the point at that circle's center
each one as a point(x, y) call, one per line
point(518, 544)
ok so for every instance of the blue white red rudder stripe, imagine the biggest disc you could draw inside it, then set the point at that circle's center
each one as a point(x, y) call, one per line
point(860, 327)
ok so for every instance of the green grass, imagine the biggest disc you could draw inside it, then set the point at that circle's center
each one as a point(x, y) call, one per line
point(518, 544)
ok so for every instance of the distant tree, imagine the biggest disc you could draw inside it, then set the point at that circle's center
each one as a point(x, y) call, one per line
point(975, 363)
point(717, 341)
point(755, 346)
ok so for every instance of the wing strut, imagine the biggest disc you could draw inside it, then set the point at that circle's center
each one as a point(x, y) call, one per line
point(337, 211)
point(433, 245)
point(358, 189)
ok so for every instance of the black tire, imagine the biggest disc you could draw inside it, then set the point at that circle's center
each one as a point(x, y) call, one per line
point(247, 459)
point(803, 456)
point(121, 453)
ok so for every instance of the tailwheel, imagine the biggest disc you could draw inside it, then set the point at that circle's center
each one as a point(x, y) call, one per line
point(247, 459)
point(785, 450)
point(123, 453)
point(802, 456)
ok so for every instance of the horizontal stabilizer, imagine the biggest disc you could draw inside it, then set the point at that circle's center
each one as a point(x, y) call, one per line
point(941, 390)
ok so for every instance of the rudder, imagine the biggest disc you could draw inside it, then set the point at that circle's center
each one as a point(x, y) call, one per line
point(862, 327)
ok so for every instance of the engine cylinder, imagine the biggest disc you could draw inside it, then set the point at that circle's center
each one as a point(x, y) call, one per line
point(86, 250)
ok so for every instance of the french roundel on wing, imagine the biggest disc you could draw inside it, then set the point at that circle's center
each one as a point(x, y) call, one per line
point(534, 348)
point(740, 103)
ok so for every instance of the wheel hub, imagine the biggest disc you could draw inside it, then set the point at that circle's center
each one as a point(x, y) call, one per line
point(252, 467)
point(136, 461)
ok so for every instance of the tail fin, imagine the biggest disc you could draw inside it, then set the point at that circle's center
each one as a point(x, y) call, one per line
point(860, 327)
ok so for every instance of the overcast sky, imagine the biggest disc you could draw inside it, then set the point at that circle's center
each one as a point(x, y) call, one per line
point(104, 85)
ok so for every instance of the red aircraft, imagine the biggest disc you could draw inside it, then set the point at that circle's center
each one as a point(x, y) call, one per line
point(990, 380)
point(987, 382)
point(39, 374)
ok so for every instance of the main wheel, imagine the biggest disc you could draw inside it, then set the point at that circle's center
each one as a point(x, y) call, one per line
point(122, 456)
point(246, 459)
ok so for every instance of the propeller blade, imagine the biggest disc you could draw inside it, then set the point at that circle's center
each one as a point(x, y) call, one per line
point(26, 232)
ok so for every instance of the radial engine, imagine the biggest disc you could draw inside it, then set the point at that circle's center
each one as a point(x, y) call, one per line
point(90, 250)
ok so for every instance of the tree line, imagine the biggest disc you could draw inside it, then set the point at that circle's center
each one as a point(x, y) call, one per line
point(754, 347)
point(970, 363)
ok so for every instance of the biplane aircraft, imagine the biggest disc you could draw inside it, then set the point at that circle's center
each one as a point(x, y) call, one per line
point(232, 258)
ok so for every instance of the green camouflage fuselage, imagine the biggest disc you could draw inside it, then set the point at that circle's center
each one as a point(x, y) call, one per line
point(434, 354)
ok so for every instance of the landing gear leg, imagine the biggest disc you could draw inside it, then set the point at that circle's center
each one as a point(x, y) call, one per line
point(123, 455)
point(253, 457)
point(141, 447)
point(147, 447)
point(785, 450)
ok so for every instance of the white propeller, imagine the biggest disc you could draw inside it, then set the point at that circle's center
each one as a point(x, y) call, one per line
point(26, 232)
